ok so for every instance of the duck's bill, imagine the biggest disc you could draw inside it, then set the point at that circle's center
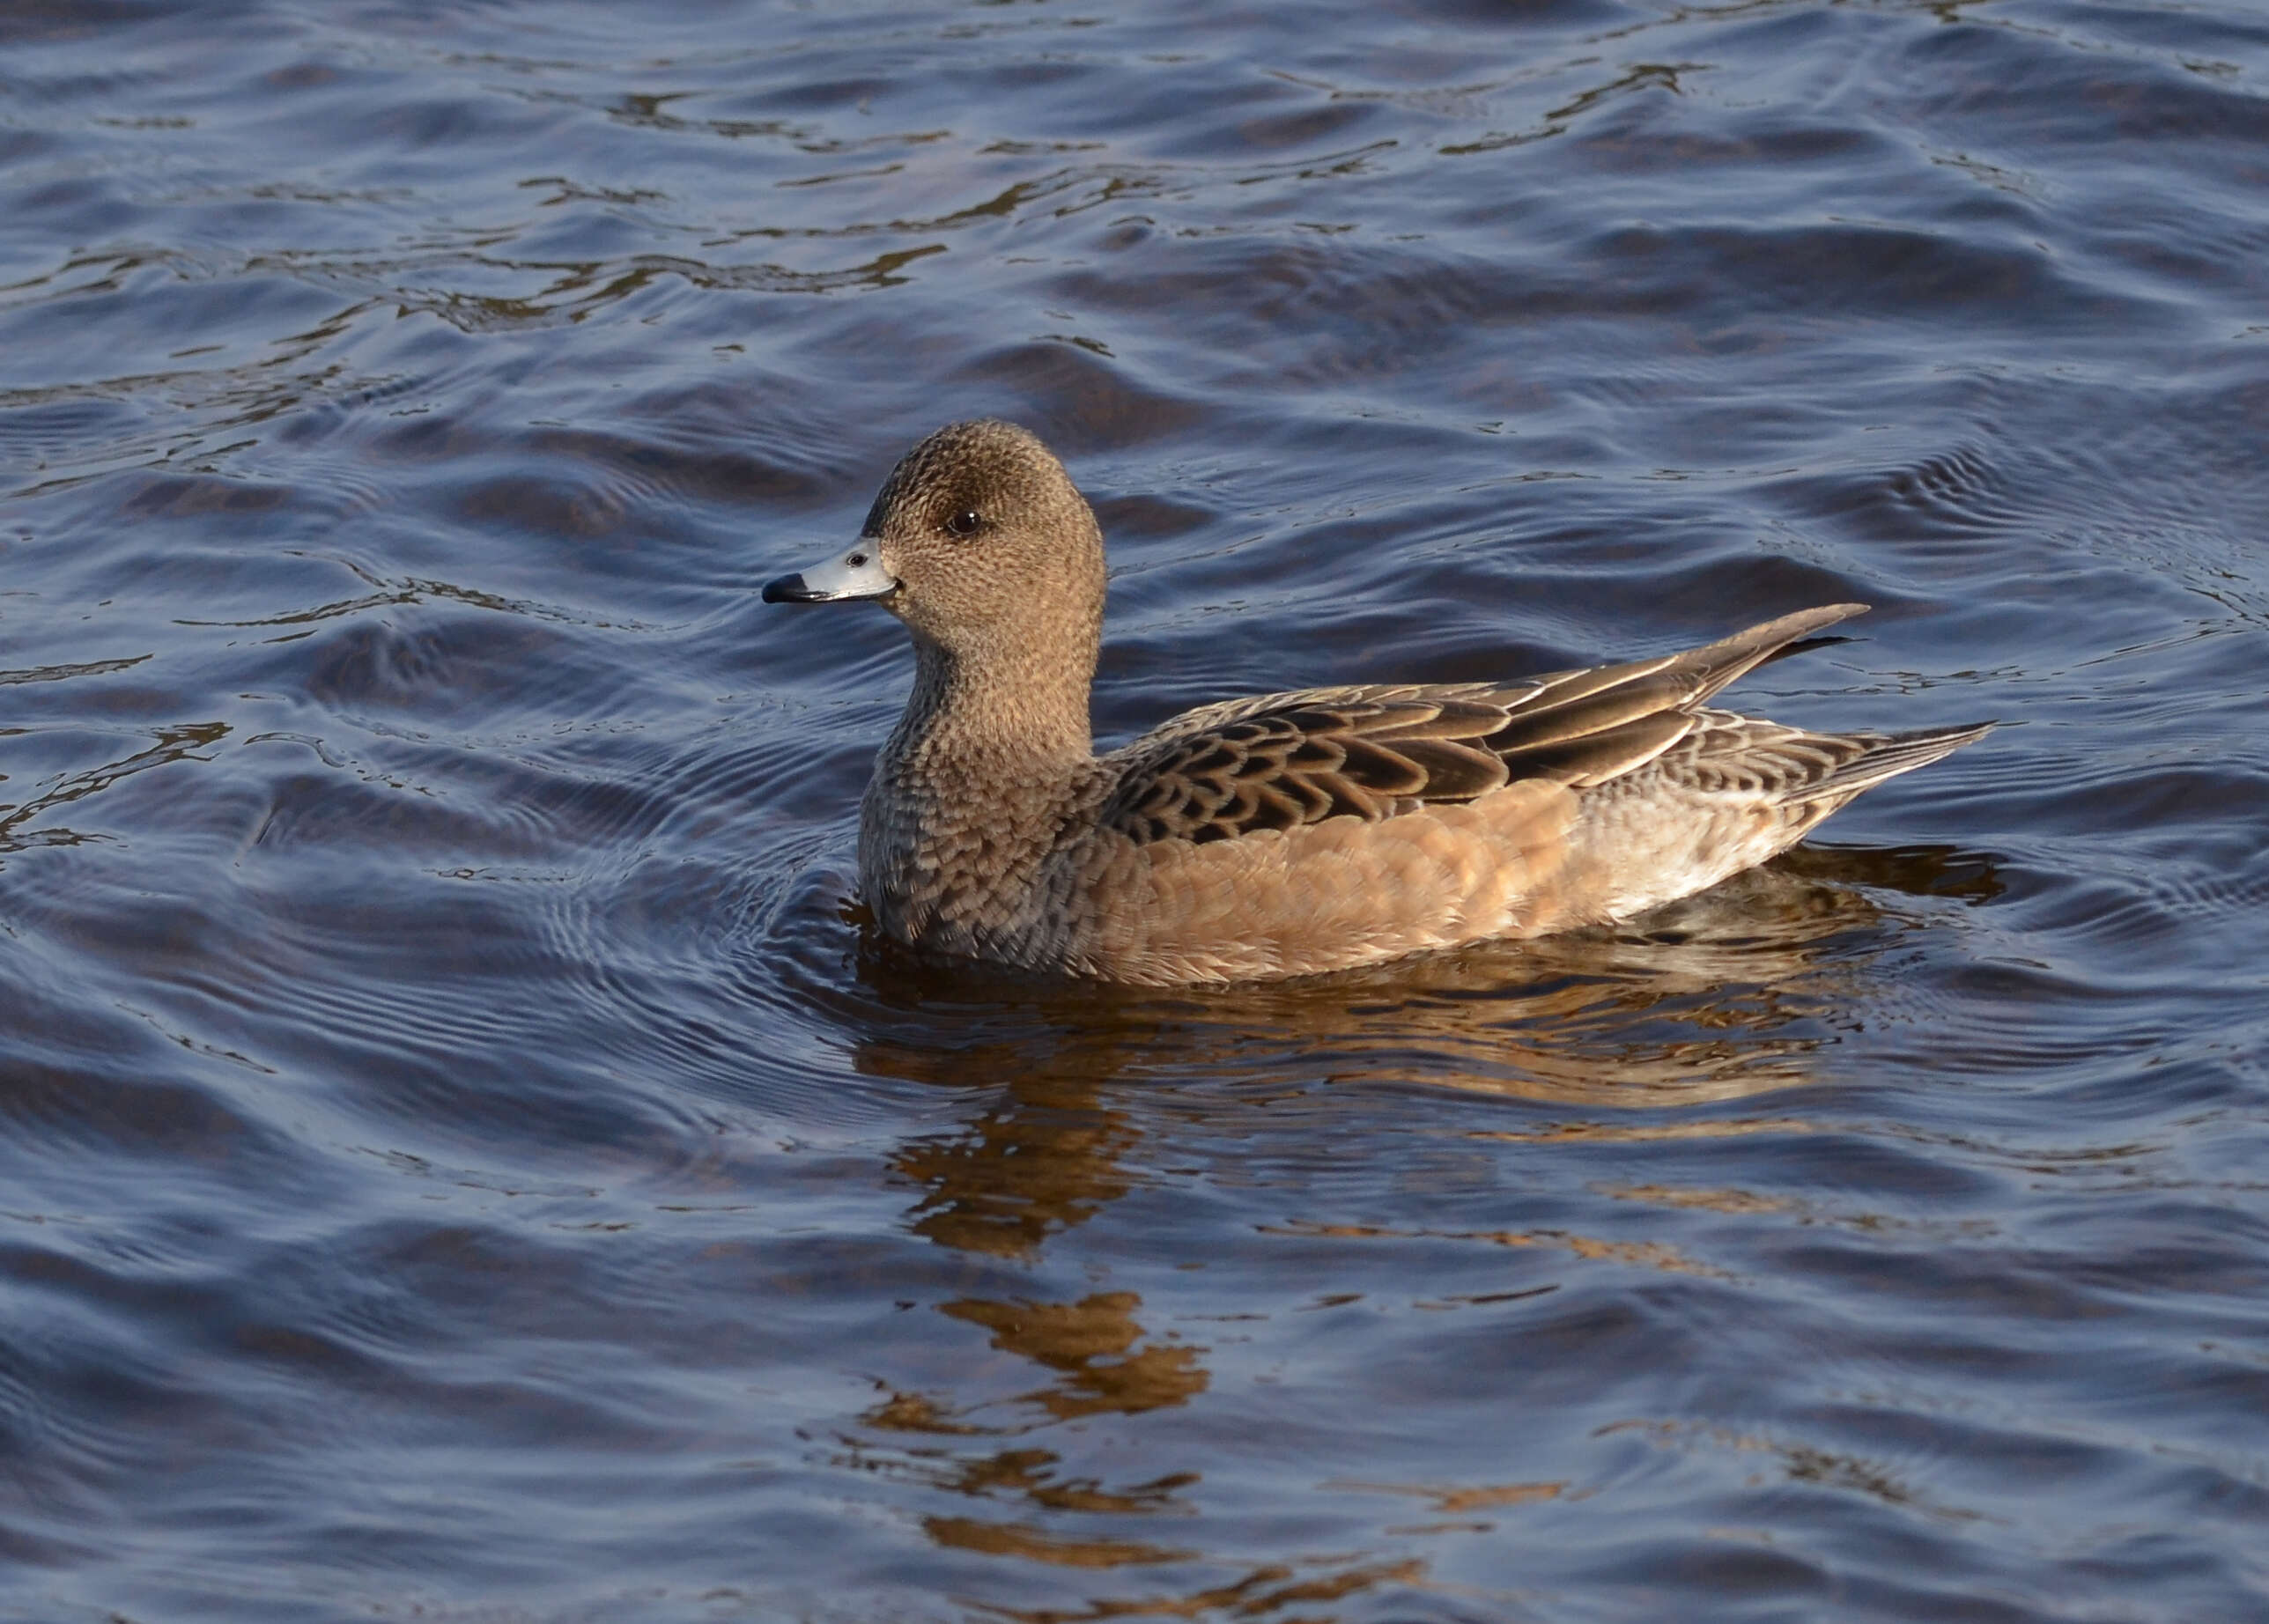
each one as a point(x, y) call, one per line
point(858, 573)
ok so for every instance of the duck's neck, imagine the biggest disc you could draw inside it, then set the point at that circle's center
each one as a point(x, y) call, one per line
point(1005, 712)
point(971, 794)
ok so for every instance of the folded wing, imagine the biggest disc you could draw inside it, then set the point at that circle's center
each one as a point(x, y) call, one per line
point(1285, 760)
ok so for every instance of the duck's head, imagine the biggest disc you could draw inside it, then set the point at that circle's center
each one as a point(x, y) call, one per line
point(978, 541)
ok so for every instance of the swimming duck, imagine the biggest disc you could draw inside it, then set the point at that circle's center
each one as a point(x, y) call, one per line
point(1287, 834)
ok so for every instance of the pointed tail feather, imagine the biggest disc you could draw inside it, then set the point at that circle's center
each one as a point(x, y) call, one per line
point(1890, 754)
point(1727, 661)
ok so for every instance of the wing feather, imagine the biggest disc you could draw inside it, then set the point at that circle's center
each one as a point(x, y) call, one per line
point(1286, 760)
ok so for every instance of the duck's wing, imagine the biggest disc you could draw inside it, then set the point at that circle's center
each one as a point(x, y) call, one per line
point(1283, 760)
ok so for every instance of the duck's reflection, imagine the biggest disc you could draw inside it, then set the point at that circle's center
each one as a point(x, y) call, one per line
point(1098, 1359)
point(1095, 1349)
point(1718, 998)
point(1041, 1157)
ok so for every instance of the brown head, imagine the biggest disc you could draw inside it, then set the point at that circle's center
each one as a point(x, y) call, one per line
point(981, 544)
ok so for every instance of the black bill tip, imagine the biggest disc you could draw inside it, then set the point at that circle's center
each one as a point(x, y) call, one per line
point(791, 589)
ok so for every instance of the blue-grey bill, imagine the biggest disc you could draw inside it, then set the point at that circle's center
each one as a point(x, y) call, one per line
point(858, 573)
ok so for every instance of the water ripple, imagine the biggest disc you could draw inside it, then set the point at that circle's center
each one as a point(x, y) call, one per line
point(465, 1139)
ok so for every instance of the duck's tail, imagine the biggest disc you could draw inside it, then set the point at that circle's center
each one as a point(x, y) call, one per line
point(1889, 754)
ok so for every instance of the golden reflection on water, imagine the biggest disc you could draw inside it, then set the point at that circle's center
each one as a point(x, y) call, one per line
point(1260, 1593)
point(1045, 1158)
point(1722, 998)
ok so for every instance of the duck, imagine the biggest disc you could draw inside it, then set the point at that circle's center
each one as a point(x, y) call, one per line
point(1287, 834)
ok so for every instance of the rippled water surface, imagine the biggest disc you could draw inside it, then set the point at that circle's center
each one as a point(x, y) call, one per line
point(459, 1159)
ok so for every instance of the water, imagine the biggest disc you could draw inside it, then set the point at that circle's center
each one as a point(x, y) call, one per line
point(459, 1159)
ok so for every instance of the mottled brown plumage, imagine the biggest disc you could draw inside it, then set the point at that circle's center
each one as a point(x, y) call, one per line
point(1287, 834)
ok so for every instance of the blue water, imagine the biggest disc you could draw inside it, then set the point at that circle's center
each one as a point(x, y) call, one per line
point(460, 1158)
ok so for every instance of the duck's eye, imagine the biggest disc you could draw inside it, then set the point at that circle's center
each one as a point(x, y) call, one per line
point(965, 522)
